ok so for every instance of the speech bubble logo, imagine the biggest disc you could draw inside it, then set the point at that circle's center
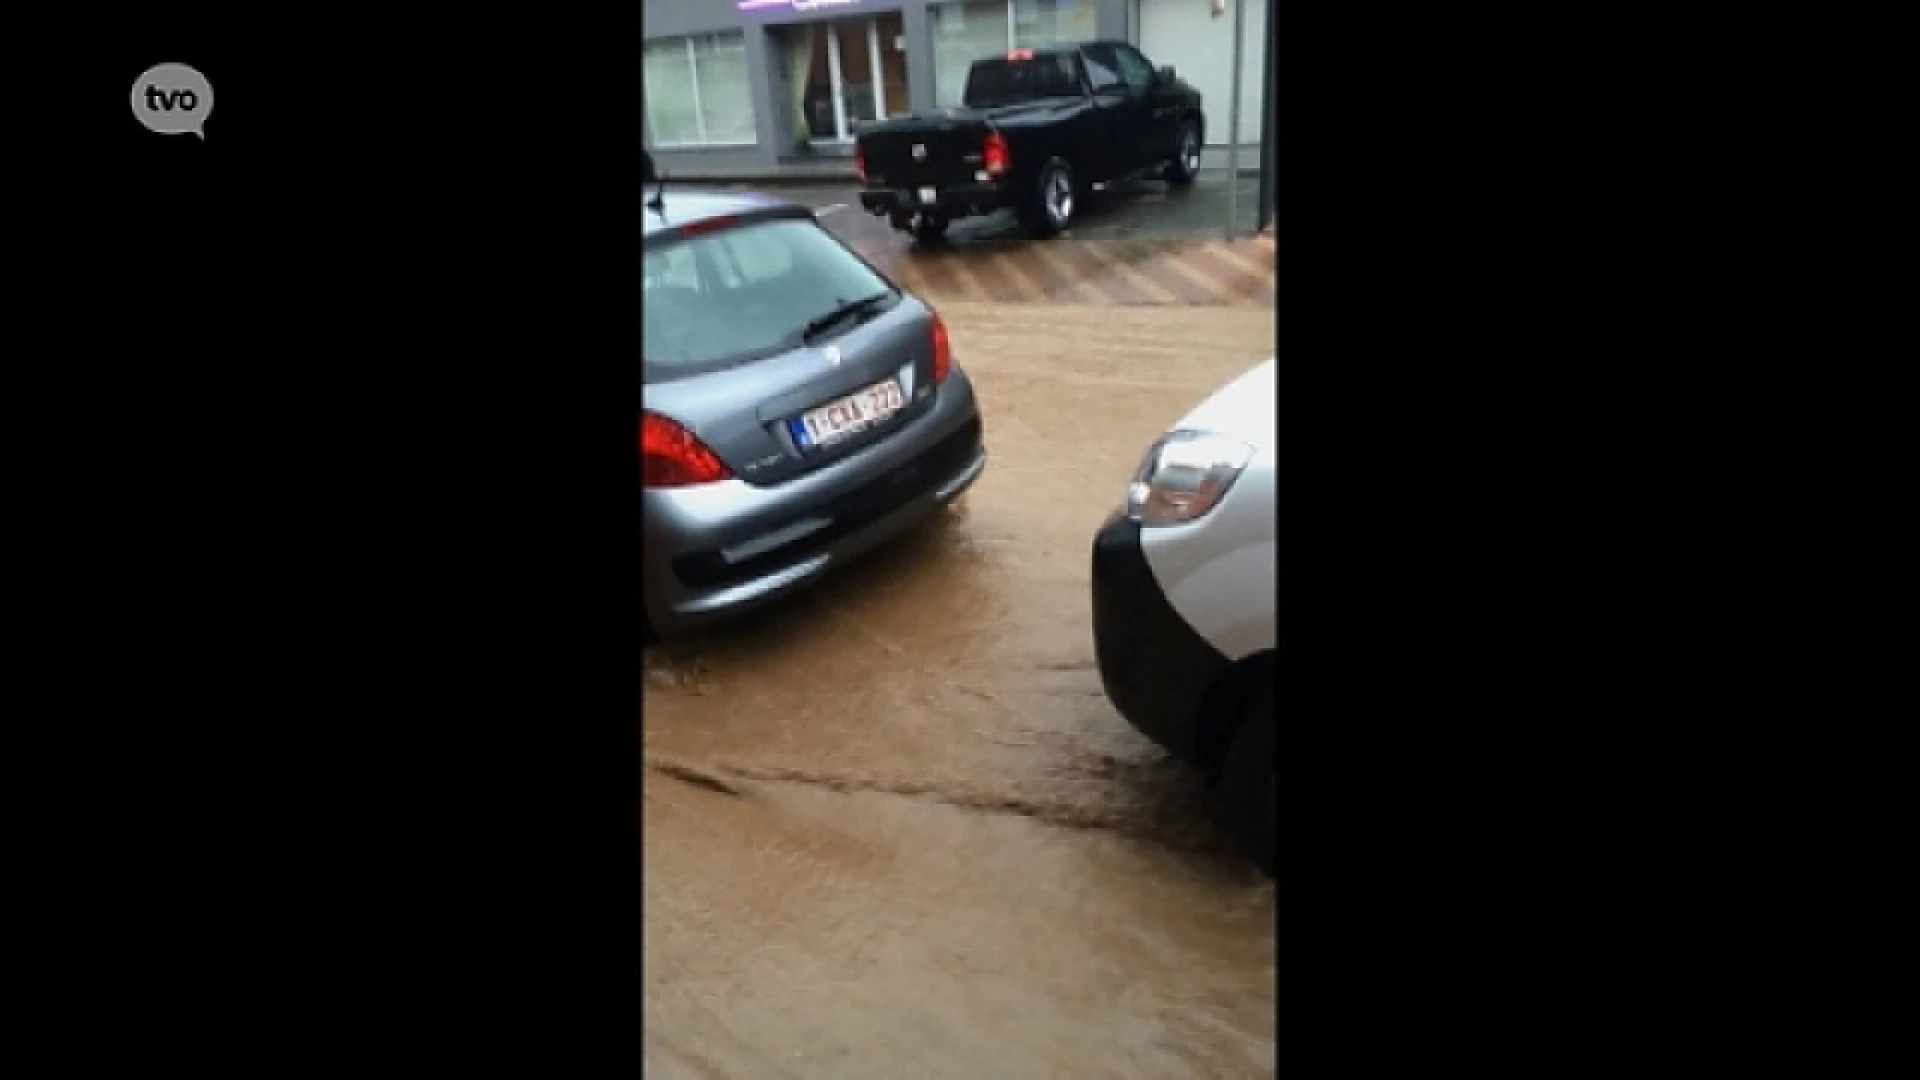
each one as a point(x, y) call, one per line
point(173, 99)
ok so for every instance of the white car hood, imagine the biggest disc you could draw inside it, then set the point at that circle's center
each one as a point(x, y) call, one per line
point(1244, 409)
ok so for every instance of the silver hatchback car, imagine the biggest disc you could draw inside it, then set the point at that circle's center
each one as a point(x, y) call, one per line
point(798, 407)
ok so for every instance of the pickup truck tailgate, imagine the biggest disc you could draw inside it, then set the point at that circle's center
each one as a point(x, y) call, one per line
point(927, 152)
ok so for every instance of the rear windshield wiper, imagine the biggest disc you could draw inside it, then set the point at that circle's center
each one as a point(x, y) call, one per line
point(842, 313)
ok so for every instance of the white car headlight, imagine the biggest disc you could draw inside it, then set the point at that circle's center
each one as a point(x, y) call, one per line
point(1185, 475)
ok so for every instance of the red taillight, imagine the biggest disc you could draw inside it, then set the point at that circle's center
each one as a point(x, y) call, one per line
point(671, 457)
point(942, 351)
point(994, 154)
point(860, 163)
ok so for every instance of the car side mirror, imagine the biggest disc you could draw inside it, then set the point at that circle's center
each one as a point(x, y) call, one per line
point(1167, 75)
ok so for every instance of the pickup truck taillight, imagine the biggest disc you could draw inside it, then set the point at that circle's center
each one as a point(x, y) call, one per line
point(994, 154)
point(860, 163)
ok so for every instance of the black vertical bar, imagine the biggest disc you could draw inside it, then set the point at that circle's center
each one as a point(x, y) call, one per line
point(1269, 123)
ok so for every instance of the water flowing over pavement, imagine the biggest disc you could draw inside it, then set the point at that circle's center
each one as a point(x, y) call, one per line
point(1148, 246)
point(893, 828)
point(1153, 270)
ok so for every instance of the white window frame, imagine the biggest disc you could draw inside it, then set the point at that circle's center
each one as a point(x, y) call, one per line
point(836, 85)
point(873, 64)
point(699, 114)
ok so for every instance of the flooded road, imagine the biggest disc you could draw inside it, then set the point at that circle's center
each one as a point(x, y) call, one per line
point(892, 828)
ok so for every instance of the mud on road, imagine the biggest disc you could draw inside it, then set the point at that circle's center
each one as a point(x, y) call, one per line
point(892, 828)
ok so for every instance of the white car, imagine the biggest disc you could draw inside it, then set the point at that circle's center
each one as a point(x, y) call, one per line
point(1185, 615)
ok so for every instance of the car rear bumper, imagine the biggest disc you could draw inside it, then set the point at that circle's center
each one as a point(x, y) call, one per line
point(1155, 667)
point(699, 567)
point(962, 200)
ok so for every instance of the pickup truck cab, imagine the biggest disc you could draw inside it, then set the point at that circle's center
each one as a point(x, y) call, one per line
point(1037, 129)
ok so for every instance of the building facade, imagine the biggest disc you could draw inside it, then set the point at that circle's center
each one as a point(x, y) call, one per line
point(752, 85)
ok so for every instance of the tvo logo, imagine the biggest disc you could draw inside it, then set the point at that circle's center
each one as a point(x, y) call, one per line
point(173, 99)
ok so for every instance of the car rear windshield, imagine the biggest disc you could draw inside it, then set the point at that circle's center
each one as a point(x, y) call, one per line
point(742, 292)
point(1012, 80)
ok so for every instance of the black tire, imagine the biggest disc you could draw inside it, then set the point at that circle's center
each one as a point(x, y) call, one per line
point(1185, 163)
point(900, 221)
point(1246, 797)
point(930, 228)
point(1054, 200)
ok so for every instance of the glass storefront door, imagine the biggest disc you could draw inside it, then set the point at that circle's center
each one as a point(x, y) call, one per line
point(843, 73)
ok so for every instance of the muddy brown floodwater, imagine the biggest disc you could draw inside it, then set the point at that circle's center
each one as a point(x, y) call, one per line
point(893, 829)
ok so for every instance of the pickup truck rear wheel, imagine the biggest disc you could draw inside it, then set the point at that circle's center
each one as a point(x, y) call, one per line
point(1054, 200)
point(1185, 163)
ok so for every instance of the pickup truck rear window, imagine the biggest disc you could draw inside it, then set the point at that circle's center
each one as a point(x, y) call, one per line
point(731, 295)
point(1004, 81)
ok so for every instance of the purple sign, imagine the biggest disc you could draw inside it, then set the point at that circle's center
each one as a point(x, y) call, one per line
point(791, 7)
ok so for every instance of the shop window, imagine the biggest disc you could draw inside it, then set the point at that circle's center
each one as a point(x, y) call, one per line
point(844, 73)
point(697, 92)
point(966, 30)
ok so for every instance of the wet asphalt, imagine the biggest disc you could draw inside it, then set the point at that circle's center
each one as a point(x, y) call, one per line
point(1137, 208)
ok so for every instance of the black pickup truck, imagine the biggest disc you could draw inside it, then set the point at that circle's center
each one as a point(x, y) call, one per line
point(1038, 128)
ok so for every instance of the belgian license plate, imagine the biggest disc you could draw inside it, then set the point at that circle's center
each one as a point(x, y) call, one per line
point(837, 419)
point(929, 195)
